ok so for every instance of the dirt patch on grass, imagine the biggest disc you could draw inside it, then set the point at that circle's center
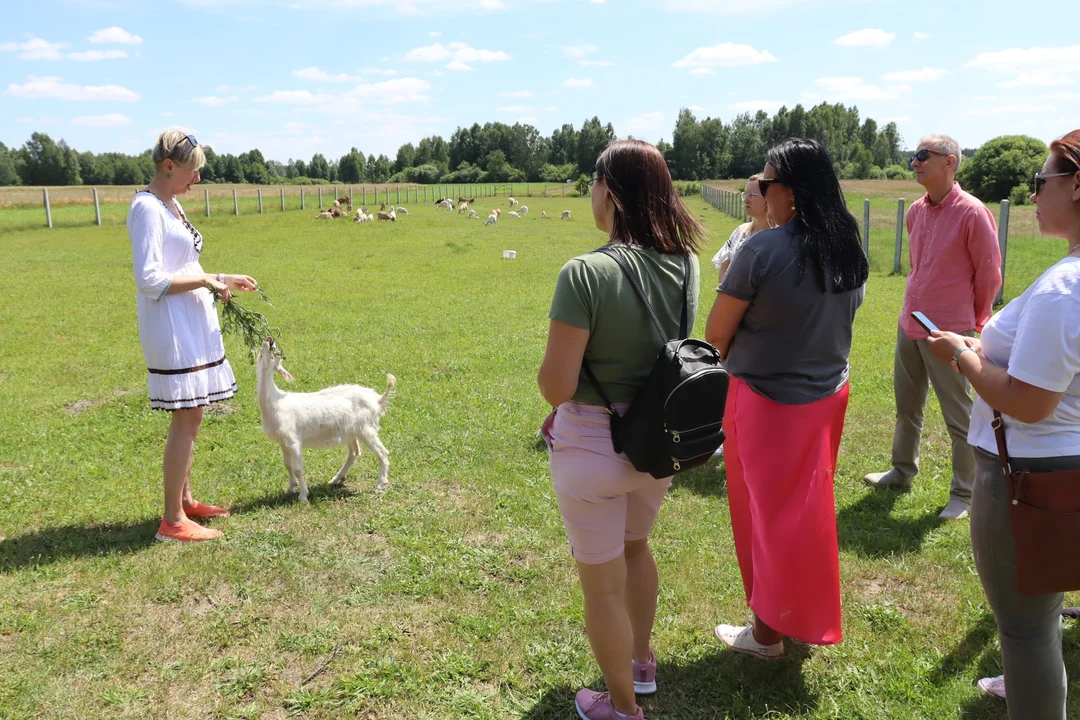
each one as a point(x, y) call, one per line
point(80, 406)
point(221, 409)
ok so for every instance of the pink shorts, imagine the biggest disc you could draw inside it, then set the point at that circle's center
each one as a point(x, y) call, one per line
point(603, 499)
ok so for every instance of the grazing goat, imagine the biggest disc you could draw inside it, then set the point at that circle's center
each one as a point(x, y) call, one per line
point(472, 200)
point(492, 219)
point(445, 205)
point(403, 211)
point(514, 214)
point(472, 214)
point(523, 210)
point(462, 200)
point(513, 202)
point(565, 215)
point(463, 207)
point(342, 415)
point(324, 215)
point(360, 217)
point(345, 200)
point(391, 216)
point(543, 214)
point(382, 207)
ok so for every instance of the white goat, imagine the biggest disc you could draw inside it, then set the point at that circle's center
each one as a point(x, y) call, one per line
point(514, 214)
point(445, 205)
point(341, 415)
point(513, 202)
point(403, 211)
point(492, 219)
point(565, 215)
point(523, 210)
point(543, 214)
point(472, 214)
point(360, 217)
point(324, 215)
point(462, 207)
point(371, 217)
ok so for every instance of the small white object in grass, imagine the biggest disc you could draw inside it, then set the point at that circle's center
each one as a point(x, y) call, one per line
point(509, 254)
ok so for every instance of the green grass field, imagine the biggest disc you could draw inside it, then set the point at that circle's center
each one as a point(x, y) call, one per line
point(453, 595)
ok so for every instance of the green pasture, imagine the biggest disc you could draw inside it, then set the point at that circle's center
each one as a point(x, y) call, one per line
point(453, 594)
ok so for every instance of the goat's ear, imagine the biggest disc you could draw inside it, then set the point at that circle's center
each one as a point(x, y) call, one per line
point(284, 373)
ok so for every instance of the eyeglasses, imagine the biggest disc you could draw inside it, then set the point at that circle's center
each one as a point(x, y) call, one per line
point(1040, 179)
point(924, 155)
point(763, 184)
point(753, 195)
point(595, 179)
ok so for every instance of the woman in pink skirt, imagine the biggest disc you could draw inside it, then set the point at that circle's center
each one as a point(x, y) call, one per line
point(782, 320)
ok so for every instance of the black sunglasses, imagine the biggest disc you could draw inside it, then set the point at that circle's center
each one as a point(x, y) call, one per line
point(595, 178)
point(189, 138)
point(763, 184)
point(1040, 179)
point(924, 155)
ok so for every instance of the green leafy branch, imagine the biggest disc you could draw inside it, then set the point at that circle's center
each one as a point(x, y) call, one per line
point(250, 326)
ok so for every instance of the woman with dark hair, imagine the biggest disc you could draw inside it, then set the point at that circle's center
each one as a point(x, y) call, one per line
point(782, 321)
point(1026, 366)
point(608, 507)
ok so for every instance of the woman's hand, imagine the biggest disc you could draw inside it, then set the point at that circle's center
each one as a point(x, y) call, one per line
point(241, 282)
point(944, 344)
point(222, 289)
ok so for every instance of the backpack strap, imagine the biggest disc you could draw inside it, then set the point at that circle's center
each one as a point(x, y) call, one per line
point(684, 332)
point(629, 273)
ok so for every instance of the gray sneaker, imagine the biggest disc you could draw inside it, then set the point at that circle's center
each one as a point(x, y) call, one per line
point(957, 509)
point(892, 478)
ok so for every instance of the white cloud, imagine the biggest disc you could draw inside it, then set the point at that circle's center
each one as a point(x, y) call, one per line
point(551, 108)
point(24, 120)
point(314, 74)
point(350, 102)
point(1036, 80)
point(921, 36)
point(854, 89)
point(769, 106)
point(102, 121)
point(645, 124)
point(702, 72)
point(927, 74)
point(527, 120)
point(725, 7)
point(95, 55)
point(696, 109)
point(578, 51)
point(35, 49)
point(215, 101)
point(1064, 95)
point(723, 55)
point(115, 35)
point(377, 71)
point(459, 54)
point(434, 33)
point(294, 97)
point(51, 87)
point(516, 109)
point(596, 63)
point(1012, 109)
point(577, 82)
point(870, 37)
point(223, 89)
point(168, 114)
point(518, 94)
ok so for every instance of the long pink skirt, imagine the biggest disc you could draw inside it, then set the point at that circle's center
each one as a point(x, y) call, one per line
point(780, 462)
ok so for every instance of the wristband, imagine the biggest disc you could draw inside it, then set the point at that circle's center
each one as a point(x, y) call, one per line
point(956, 357)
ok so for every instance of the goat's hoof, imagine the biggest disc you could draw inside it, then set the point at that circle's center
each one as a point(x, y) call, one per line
point(337, 481)
point(302, 499)
point(380, 489)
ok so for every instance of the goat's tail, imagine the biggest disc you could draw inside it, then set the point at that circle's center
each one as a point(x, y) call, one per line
point(384, 399)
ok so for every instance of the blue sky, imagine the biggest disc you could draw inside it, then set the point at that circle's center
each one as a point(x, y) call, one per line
point(294, 77)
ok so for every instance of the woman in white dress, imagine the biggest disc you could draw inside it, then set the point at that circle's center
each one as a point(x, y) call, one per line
point(757, 211)
point(178, 325)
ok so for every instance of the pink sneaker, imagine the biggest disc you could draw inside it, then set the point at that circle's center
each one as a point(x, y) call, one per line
point(645, 675)
point(597, 706)
point(993, 686)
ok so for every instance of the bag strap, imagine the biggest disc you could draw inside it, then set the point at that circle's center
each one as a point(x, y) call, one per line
point(596, 384)
point(1003, 450)
point(629, 273)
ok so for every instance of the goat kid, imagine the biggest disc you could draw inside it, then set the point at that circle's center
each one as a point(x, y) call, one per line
point(341, 415)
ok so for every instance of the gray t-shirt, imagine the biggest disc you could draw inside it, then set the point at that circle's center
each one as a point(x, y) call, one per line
point(793, 343)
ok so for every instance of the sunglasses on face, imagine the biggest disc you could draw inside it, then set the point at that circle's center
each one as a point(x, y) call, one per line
point(924, 155)
point(764, 185)
point(1040, 179)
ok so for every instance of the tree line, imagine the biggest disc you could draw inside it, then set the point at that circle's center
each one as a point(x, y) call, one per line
point(496, 152)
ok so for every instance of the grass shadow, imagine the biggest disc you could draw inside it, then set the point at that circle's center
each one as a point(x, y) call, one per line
point(708, 480)
point(868, 528)
point(722, 684)
point(317, 492)
point(974, 644)
point(68, 542)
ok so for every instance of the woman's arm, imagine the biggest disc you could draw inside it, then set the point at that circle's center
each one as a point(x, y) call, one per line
point(1009, 396)
point(559, 372)
point(724, 318)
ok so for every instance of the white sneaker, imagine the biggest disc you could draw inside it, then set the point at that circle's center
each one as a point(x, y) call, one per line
point(891, 478)
point(741, 639)
point(993, 686)
point(957, 509)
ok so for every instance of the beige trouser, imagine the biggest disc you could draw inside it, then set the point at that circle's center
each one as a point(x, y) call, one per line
point(915, 369)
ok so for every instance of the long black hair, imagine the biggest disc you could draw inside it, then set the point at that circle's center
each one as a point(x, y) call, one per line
point(828, 233)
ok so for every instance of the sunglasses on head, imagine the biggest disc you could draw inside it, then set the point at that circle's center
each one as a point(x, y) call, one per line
point(1040, 179)
point(188, 138)
point(924, 155)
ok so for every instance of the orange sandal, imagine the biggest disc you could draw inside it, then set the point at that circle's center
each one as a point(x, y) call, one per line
point(186, 532)
point(202, 510)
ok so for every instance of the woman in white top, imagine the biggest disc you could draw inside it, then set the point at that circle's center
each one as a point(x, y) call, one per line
point(178, 325)
point(1026, 365)
point(756, 208)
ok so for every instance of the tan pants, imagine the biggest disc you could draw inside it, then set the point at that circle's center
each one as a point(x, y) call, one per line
point(915, 369)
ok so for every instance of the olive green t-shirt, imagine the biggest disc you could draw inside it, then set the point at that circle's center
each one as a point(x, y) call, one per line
point(592, 293)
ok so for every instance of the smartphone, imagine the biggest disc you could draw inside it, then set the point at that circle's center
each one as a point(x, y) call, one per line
point(929, 326)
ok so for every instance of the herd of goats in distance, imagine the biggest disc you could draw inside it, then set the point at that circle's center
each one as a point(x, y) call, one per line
point(342, 207)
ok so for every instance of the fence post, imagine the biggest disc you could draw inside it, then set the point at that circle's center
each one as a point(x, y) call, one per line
point(207, 192)
point(1003, 244)
point(335, 192)
point(350, 194)
point(866, 226)
point(899, 235)
point(235, 203)
point(283, 199)
point(365, 194)
point(302, 203)
point(48, 210)
point(399, 194)
point(259, 190)
point(320, 197)
point(97, 208)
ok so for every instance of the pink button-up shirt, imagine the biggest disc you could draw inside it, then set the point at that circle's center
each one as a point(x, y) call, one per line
point(955, 264)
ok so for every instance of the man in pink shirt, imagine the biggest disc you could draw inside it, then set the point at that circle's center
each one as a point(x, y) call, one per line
point(955, 275)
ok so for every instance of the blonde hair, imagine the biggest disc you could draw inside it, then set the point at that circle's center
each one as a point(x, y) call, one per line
point(173, 144)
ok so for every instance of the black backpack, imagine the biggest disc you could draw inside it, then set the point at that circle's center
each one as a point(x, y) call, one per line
point(675, 422)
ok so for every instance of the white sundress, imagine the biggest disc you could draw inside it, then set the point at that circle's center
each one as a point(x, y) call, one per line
point(727, 251)
point(180, 334)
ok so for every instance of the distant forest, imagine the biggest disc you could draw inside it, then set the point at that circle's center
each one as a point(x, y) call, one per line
point(497, 152)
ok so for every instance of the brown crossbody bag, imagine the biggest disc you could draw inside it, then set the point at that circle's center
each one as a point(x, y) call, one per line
point(1045, 510)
